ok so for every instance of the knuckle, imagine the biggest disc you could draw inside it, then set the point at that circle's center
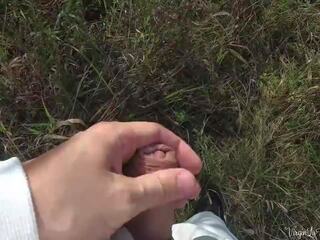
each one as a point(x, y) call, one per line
point(105, 127)
point(102, 125)
point(156, 128)
point(155, 125)
point(104, 132)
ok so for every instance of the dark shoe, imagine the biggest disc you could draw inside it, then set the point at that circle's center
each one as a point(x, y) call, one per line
point(211, 200)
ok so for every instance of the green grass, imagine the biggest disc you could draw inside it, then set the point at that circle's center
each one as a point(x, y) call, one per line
point(238, 79)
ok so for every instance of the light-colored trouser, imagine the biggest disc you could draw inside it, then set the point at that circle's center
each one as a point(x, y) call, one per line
point(202, 226)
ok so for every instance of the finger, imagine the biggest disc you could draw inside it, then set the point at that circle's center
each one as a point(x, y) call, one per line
point(187, 159)
point(162, 187)
point(135, 135)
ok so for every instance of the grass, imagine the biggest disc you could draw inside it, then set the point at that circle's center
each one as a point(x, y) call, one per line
point(238, 79)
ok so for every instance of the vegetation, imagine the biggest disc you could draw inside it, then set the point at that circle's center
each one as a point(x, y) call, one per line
point(240, 80)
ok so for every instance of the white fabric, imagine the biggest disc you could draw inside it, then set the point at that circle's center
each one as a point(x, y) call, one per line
point(17, 218)
point(202, 226)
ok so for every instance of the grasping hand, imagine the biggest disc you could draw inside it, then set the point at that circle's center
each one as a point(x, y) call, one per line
point(78, 188)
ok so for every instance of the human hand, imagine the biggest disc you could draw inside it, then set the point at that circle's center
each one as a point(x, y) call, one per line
point(78, 188)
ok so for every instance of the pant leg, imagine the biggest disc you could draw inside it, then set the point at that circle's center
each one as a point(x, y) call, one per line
point(202, 226)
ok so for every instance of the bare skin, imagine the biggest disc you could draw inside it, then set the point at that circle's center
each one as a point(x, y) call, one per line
point(151, 159)
point(79, 190)
point(159, 220)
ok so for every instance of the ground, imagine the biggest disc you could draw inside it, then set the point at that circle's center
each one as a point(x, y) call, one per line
point(239, 80)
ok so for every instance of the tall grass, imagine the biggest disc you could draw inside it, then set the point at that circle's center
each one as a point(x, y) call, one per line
point(238, 79)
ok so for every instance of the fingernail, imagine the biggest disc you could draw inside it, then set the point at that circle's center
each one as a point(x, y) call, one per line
point(187, 185)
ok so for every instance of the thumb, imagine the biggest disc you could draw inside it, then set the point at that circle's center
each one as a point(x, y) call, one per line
point(162, 187)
